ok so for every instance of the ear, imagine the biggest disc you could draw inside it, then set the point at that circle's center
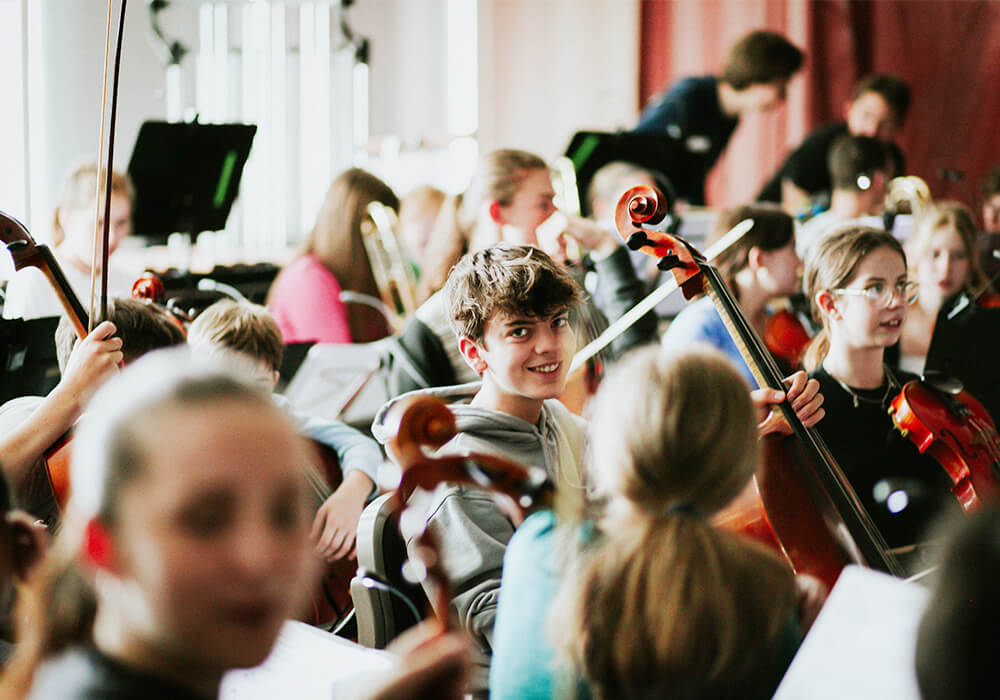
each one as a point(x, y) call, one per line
point(825, 300)
point(496, 212)
point(755, 258)
point(29, 540)
point(98, 549)
point(471, 352)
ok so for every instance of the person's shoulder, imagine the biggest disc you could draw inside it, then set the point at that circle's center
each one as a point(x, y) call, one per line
point(563, 416)
point(825, 134)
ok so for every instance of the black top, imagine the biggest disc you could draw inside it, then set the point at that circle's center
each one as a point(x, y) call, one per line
point(690, 113)
point(868, 449)
point(807, 165)
point(84, 673)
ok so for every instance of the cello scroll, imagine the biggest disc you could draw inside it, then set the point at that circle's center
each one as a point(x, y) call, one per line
point(421, 424)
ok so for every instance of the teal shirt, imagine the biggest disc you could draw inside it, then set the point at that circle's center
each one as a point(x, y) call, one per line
point(523, 664)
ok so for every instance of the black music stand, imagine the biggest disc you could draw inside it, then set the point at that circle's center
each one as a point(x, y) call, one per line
point(28, 353)
point(187, 176)
point(591, 150)
point(964, 345)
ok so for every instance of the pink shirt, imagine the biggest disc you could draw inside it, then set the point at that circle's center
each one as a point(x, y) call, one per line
point(305, 301)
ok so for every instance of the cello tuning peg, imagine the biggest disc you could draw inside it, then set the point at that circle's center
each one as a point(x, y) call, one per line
point(637, 240)
point(668, 262)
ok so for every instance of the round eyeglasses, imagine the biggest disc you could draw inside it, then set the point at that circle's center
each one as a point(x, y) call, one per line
point(882, 294)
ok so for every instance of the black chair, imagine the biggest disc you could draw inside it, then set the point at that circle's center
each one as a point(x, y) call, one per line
point(28, 354)
point(385, 603)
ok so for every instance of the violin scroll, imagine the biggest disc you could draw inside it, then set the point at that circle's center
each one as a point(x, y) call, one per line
point(149, 287)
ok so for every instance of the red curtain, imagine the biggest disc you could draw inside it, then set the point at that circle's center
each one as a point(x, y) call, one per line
point(948, 52)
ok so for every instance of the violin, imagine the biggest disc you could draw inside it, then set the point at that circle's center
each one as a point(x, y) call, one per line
point(786, 338)
point(800, 502)
point(150, 288)
point(949, 424)
point(421, 424)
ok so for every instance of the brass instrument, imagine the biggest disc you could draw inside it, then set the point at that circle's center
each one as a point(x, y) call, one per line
point(908, 194)
point(391, 268)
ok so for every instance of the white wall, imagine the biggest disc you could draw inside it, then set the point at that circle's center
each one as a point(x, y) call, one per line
point(547, 68)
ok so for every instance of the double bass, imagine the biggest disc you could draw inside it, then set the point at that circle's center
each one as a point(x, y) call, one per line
point(801, 502)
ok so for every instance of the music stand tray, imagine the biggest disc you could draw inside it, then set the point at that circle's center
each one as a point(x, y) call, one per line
point(187, 175)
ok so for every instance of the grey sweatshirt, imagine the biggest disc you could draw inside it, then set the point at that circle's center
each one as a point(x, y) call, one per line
point(472, 530)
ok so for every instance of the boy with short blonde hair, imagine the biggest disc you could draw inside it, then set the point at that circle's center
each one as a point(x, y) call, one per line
point(250, 330)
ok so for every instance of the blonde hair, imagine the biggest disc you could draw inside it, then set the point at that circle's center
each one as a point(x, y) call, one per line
point(336, 241)
point(669, 604)
point(109, 452)
point(949, 214)
point(498, 178)
point(831, 264)
point(241, 327)
point(79, 189)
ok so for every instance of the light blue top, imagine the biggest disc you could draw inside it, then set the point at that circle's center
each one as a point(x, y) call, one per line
point(700, 322)
point(523, 658)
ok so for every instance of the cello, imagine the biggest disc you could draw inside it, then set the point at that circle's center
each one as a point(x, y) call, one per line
point(25, 252)
point(801, 501)
point(420, 424)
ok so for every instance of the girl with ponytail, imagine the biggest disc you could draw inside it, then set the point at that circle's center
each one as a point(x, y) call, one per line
point(859, 291)
point(666, 605)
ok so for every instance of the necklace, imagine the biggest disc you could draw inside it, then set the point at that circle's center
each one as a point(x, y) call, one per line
point(858, 399)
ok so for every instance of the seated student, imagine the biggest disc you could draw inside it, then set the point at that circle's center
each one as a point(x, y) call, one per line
point(29, 293)
point(418, 211)
point(860, 178)
point(546, 546)
point(510, 197)
point(305, 297)
point(172, 566)
point(877, 109)
point(943, 252)
point(34, 423)
point(250, 330)
point(23, 542)
point(664, 604)
point(954, 651)
point(989, 243)
point(991, 202)
point(859, 291)
point(759, 268)
point(509, 306)
point(702, 113)
point(608, 184)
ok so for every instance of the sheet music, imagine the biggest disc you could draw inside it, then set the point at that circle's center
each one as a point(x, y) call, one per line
point(862, 644)
point(308, 664)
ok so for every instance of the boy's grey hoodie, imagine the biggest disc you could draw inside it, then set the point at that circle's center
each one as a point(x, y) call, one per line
point(472, 530)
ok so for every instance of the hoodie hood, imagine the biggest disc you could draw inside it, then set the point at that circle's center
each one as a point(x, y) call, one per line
point(557, 438)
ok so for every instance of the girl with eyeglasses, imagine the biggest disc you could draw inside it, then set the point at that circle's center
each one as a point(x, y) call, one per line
point(857, 285)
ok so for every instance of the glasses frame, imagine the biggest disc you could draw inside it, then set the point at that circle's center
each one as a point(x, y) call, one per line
point(907, 291)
